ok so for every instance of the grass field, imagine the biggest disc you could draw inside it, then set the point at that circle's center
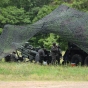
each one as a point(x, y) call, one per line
point(26, 71)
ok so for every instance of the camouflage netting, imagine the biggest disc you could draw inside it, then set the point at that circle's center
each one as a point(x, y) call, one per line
point(69, 23)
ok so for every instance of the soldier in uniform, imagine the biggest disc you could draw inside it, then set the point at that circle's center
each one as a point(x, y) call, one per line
point(41, 54)
point(54, 52)
point(59, 55)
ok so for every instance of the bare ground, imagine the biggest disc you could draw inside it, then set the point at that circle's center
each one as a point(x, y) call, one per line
point(43, 84)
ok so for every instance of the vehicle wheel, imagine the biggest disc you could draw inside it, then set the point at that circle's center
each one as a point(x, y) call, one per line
point(86, 61)
point(76, 59)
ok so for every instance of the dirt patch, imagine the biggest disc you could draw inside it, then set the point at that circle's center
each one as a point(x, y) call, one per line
point(43, 84)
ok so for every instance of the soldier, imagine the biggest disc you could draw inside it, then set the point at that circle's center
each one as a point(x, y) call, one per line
point(54, 52)
point(37, 57)
point(59, 54)
point(41, 54)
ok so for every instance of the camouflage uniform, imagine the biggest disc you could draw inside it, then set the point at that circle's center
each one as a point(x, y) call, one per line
point(58, 55)
point(54, 52)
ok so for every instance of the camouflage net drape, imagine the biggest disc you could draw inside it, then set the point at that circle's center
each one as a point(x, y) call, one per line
point(69, 23)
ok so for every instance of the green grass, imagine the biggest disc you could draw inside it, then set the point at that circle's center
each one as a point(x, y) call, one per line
point(34, 72)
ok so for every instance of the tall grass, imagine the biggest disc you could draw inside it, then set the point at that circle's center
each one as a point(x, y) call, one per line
point(29, 71)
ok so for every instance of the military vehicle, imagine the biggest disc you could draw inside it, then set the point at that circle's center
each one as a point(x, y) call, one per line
point(75, 55)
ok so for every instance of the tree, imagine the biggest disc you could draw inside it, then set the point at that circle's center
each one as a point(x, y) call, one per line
point(4, 3)
point(29, 4)
point(45, 10)
point(13, 15)
point(81, 4)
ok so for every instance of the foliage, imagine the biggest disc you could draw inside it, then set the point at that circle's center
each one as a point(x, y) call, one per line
point(4, 3)
point(45, 10)
point(1, 30)
point(50, 40)
point(81, 4)
point(13, 15)
point(44, 39)
point(38, 40)
point(47, 40)
point(29, 4)
point(29, 11)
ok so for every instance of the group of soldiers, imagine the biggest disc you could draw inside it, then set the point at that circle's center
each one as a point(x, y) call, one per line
point(51, 57)
point(37, 55)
